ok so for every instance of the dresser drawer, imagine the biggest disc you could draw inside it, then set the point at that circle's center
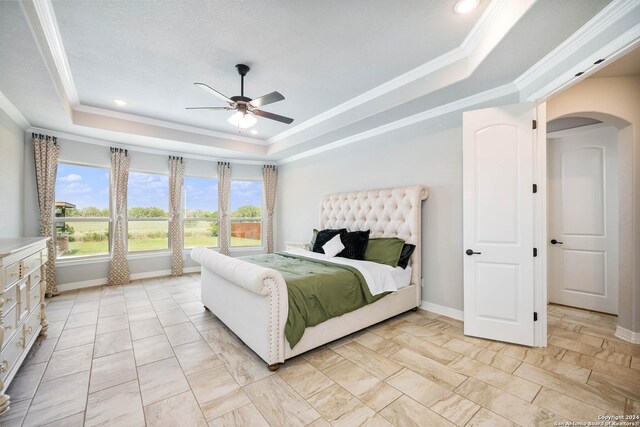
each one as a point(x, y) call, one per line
point(30, 263)
point(34, 294)
point(11, 274)
point(31, 327)
point(36, 275)
point(10, 354)
point(10, 298)
point(9, 324)
point(23, 301)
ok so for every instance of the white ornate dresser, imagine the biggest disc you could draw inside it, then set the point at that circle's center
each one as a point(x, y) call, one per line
point(22, 287)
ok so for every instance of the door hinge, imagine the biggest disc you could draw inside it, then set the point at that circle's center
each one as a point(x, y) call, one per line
point(535, 316)
point(535, 188)
point(535, 252)
point(534, 124)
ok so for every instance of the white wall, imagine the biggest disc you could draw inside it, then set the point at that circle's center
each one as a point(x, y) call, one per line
point(11, 182)
point(429, 153)
point(95, 272)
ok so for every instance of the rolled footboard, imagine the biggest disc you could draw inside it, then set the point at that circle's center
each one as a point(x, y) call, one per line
point(250, 299)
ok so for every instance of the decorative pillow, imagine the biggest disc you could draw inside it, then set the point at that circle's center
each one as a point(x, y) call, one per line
point(405, 255)
point(384, 250)
point(333, 247)
point(355, 244)
point(324, 236)
point(313, 239)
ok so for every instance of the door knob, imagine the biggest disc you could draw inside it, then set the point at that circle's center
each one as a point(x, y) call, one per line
point(555, 242)
point(471, 252)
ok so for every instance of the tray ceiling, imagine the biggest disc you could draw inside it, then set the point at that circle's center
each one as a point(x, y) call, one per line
point(345, 68)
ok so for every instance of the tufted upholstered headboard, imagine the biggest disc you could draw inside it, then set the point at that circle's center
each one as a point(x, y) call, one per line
point(390, 212)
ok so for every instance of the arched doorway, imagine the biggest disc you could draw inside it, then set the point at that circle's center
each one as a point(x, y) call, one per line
point(624, 137)
point(583, 202)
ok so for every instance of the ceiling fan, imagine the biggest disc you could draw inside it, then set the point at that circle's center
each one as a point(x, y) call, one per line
point(246, 108)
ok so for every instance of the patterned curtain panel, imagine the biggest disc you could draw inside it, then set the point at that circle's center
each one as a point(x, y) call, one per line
point(224, 194)
point(176, 183)
point(119, 268)
point(46, 152)
point(270, 177)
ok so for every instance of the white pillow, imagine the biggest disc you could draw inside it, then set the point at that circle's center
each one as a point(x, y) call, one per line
point(333, 247)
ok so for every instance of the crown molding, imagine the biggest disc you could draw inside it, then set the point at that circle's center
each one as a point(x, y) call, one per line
point(138, 149)
point(613, 50)
point(460, 104)
point(602, 21)
point(13, 112)
point(49, 25)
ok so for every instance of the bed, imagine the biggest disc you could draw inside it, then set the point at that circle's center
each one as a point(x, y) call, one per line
point(252, 300)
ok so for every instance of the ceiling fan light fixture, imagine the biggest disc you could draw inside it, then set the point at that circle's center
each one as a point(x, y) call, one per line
point(465, 6)
point(242, 120)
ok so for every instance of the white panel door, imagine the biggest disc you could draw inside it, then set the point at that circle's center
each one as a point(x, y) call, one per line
point(498, 223)
point(583, 220)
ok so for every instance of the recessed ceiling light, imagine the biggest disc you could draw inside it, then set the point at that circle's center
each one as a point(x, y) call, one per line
point(465, 6)
point(254, 132)
point(120, 102)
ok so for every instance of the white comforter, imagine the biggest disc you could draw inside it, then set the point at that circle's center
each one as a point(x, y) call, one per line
point(379, 277)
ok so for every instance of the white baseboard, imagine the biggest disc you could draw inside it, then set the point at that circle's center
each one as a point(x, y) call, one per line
point(627, 335)
point(442, 310)
point(103, 280)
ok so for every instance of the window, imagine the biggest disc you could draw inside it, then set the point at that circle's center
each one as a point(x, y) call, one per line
point(200, 212)
point(81, 211)
point(246, 213)
point(148, 212)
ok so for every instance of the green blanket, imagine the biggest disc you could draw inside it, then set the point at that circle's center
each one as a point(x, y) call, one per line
point(318, 290)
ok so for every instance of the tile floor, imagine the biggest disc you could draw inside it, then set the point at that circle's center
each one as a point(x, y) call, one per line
point(148, 353)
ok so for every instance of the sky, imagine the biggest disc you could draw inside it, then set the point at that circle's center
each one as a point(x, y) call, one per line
point(83, 185)
point(89, 186)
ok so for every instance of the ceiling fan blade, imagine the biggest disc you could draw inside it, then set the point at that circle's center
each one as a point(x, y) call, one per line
point(272, 116)
point(213, 92)
point(269, 98)
point(208, 108)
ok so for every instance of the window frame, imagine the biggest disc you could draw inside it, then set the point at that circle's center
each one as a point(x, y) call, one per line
point(151, 252)
point(184, 213)
point(54, 227)
point(263, 211)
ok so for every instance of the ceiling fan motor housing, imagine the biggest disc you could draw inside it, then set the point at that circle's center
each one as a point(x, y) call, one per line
point(242, 69)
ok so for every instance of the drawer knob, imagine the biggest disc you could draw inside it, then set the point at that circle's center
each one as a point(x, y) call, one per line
point(9, 299)
point(36, 296)
point(29, 329)
point(21, 342)
point(8, 327)
point(4, 366)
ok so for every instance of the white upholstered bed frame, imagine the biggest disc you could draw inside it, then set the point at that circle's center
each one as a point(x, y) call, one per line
point(252, 300)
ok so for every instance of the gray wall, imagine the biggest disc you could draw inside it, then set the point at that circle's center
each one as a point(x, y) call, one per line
point(91, 271)
point(11, 181)
point(429, 153)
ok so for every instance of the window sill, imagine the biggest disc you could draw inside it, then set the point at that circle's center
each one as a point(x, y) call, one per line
point(151, 254)
point(82, 261)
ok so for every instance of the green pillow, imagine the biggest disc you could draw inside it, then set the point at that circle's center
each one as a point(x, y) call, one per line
point(313, 239)
point(384, 250)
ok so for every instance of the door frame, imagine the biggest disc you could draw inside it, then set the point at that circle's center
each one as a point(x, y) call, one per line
point(540, 222)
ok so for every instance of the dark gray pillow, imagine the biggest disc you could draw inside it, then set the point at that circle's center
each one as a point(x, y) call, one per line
point(405, 255)
point(355, 244)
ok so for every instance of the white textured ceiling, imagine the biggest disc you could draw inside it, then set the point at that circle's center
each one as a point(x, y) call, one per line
point(318, 54)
